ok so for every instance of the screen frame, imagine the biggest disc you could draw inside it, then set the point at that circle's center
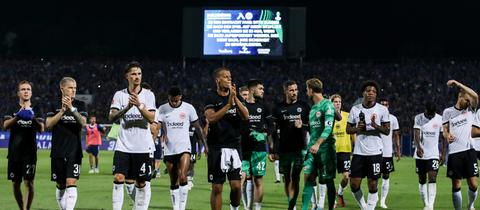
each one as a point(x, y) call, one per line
point(283, 10)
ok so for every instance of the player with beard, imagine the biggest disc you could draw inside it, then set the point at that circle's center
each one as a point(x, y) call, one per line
point(254, 142)
point(66, 121)
point(368, 121)
point(387, 160)
point(457, 131)
point(321, 156)
point(134, 106)
point(427, 131)
point(225, 113)
point(291, 119)
point(176, 117)
point(22, 147)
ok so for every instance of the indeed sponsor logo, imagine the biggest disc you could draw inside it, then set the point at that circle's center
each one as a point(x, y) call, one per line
point(175, 124)
point(315, 124)
point(291, 117)
point(459, 123)
point(232, 111)
point(254, 117)
point(67, 118)
point(133, 117)
point(428, 133)
point(24, 123)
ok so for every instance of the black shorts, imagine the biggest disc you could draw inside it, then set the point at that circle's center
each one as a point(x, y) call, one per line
point(136, 166)
point(387, 165)
point(93, 149)
point(366, 166)
point(158, 154)
point(63, 168)
point(22, 169)
point(424, 166)
point(215, 174)
point(174, 158)
point(462, 165)
point(343, 162)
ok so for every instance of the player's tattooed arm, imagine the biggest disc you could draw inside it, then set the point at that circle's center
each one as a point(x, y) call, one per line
point(53, 120)
point(470, 94)
point(116, 114)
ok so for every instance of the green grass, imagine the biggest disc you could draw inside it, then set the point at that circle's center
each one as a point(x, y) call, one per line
point(94, 190)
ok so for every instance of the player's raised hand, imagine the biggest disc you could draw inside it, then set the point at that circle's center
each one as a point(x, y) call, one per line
point(67, 102)
point(133, 100)
point(452, 83)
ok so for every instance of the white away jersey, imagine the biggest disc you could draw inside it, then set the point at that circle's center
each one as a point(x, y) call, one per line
point(430, 130)
point(476, 123)
point(177, 122)
point(387, 140)
point(134, 135)
point(369, 142)
point(460, 126)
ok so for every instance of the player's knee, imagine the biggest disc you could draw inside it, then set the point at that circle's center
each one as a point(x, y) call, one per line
point(140, 183)
point(217, 189)
point(119, 178)
point(28, 183)
point(385, 176)
point(71, 182)
point(432, 180)
point(456, 189)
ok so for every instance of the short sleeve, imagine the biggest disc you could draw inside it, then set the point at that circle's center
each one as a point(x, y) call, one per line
point(445, 116)
point(192, 114)
point(150, 102)
point(385, 116)
point(116, 101)
point(209, 102)
point(476, 120)
point(416, 122)
point(394, 124)
point(351, 116)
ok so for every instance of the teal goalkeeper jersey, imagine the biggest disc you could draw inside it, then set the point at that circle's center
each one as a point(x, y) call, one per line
point(322, 119)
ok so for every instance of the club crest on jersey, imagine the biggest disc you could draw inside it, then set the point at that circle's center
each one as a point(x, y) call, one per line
point(318, 114)
point(435, 125)
point(299, 109)
point(183, 115)
point(259, 110)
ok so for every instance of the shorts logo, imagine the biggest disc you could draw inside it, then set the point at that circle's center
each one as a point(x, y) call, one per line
point(299, 109)
point(113, 168)
point(259, 110)
point(54, 176)
point(210, 177)
point(12, 175)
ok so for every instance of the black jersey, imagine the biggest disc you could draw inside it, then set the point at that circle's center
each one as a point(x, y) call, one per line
point(22, 144)
point(291, 139)
point(66, 134)
point(258, 116)
point(226, 132)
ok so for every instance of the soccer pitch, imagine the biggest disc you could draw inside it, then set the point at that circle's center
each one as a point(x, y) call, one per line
point(95, 190)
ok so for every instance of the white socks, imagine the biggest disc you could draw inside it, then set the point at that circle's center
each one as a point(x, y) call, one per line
point(422, 188)
point(183, 196)
point(249, 192)
point(141, 202)
point(432, 192)
point(175, 197)
point(359, 197)
point(385, 189)
point(322, 191)
point(457, 200)
point(372, 200)
point(117, 196)
point(277, 170)
point(233, 208)
point(148, 194)
point(341, 189)
point(257, 205)
point(71, 197)
point(472, 196)
point(131, 191)
point(61, 198)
